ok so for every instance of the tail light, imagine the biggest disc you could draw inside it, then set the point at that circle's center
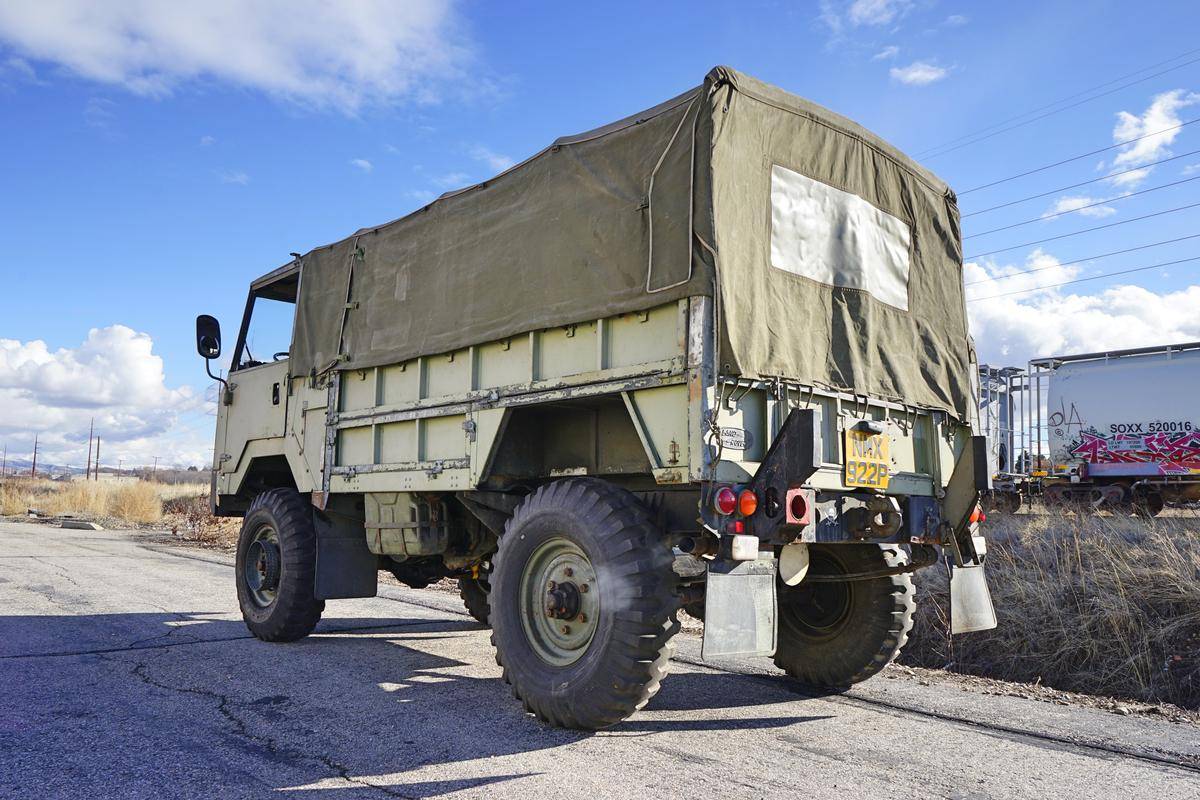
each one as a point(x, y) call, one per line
point(977, 516)
point(725, 501)
point(747, 503)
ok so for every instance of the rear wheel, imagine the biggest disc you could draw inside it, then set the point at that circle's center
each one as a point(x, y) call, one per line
point(837, 633)
point(276, 567)
point(583, 604)
point(474, 593)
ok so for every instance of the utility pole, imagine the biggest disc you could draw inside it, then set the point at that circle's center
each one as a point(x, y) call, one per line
point(33, 469)
point(87, 471)
point(154, 469)
point(96, 469)
point(120, 461)
point(4, 462)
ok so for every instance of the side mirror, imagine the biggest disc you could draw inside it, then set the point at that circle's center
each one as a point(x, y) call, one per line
point(208, 336)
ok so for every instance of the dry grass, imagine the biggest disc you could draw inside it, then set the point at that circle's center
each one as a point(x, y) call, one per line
point(129, 501)
point(1103, 605)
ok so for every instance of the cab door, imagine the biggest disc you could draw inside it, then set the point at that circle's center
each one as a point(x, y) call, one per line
point(255, 419)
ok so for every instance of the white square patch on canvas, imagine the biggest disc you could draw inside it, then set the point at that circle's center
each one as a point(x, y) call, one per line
point(837, 238)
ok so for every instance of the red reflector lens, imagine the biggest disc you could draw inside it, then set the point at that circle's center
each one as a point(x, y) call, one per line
point(977, 515)
point(725, 501)
point(747, 503)
point(799, 507)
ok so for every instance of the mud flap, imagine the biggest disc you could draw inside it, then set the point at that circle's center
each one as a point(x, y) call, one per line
point(739, 609)
point(970, 601)
point(345, 566)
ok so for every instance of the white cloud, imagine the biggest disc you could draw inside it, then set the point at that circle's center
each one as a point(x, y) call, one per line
point(1052, 320)
point(1078, 203)
point(98, 113)
point(112, 377)
point(20, 68)
point(340, 55)
point(236, 178)
point(422, 196)
point(891, 51)
point(1160, 115)
point(837, 15)
point(452, 180)
point(954, 21)
point(207, 141)
point(362, 164)
point(918, 73)
point(1191, 169)
point(877, 12)
point(494, 160)
point(1131, 178)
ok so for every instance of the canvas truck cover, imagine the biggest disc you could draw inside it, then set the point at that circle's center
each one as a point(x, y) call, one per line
point(837, 259)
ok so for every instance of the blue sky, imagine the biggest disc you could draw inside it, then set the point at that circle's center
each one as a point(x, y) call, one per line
point(156, 158)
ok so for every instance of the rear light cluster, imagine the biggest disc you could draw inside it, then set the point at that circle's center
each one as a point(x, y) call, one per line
point(726, 502)
point(978, 516)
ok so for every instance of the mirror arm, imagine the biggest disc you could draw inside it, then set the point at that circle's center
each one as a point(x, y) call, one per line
point(227, 394)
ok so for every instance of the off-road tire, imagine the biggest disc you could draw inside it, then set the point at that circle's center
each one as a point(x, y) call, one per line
point(295, 610)
point(474, 594)
point(628, 655)
point(874, 624)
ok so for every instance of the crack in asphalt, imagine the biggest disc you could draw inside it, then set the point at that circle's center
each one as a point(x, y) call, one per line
point(241, 727)
point(1182, 761)
point(100, 651)
point(61, 570)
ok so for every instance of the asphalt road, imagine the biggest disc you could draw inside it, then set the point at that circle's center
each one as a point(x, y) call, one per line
point(125, 671)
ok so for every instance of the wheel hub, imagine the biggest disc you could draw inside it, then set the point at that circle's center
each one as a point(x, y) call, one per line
point(263, 566)
point(559, 601)
point(562, 600)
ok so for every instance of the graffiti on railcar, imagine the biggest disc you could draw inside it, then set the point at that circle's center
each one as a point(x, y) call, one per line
point(1174, 454)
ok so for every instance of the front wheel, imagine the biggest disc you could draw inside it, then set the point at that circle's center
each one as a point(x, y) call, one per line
point(276, 567)
point(836, 633)
point(583, 604)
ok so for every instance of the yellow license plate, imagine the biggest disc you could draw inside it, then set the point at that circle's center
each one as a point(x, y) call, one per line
point(867, 459)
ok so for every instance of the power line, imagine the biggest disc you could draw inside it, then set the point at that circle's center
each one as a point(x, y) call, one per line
point(1085, 230)
point(1081, 260)
point(1077, 158)
point(1081, 280)
point(1058, 214)
point(923, 153)
point(1057, 110)
point(1082, 183)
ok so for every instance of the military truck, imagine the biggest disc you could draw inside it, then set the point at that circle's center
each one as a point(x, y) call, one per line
point(713, 356)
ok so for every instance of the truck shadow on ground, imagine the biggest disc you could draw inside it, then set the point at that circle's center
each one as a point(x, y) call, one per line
point(363, 706)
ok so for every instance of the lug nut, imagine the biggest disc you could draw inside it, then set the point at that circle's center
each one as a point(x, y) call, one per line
point(568, 572)
point(583, 587)
point(566, 629)
point(550, 587)
point(582, 617)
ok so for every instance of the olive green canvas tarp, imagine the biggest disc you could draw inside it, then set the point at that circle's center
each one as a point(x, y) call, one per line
point(838, 258)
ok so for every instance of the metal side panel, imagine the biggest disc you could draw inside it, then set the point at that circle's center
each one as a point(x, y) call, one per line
point(660, 417)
